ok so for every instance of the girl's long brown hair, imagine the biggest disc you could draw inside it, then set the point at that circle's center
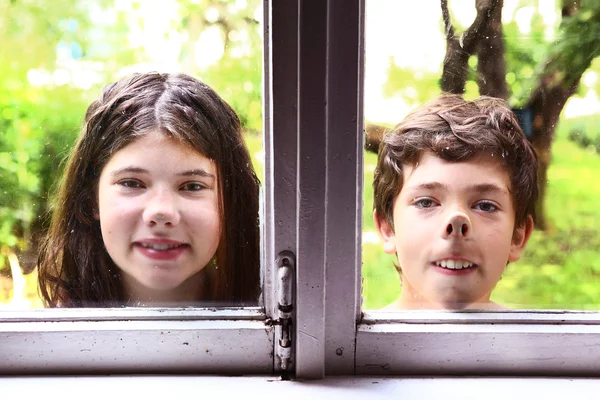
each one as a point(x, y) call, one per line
point(75, 269)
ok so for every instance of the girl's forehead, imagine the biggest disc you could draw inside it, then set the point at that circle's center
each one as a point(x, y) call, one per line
point(156, 150)
point(158, 139)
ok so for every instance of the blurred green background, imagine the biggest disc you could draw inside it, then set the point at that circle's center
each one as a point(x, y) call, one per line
point(56, 57)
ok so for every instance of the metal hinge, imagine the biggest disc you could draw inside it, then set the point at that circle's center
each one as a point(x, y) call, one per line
point(285, 306)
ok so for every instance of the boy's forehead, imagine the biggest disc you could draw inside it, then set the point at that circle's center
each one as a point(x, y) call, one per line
point(480, 171)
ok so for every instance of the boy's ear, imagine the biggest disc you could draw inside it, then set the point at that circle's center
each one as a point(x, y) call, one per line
point(520, 238)
point(386, 233)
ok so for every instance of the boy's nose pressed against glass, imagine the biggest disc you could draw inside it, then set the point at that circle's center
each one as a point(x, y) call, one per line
point(459, 225)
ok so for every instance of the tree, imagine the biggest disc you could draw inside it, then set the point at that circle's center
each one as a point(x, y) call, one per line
point(557, 78)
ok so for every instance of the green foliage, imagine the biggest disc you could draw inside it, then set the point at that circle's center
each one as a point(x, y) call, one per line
point(527, 56)
point(36, 123)
point(381, 283)
point(560, 267)
point(585, 134)
point(415, 87)
point(31, 30)
point(524, 55)
point(238, 74)
point(578, 43)
point(39, 124)
point(37, 127)
point(254, 142)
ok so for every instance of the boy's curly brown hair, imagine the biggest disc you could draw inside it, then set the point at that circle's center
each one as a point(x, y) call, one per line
point(456, 130)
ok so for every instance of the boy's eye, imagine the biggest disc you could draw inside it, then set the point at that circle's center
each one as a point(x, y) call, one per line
point(486, 206)
point(193, 186)
point(130, 184)
point(424, 203)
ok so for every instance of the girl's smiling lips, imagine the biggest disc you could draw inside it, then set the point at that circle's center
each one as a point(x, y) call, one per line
point(160, 248)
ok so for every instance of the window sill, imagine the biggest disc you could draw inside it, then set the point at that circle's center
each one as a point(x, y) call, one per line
point(249, 387)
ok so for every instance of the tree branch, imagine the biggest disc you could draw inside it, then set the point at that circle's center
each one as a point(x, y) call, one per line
point(458, 51)
point(491, 65)
point(447, 22)
point(471, 36)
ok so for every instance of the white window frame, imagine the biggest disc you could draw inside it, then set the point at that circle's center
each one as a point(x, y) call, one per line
point(228, 341)
point(313, 199)
point(113, 340)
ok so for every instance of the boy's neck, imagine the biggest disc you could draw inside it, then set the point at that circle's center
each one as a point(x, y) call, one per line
point(408, 300)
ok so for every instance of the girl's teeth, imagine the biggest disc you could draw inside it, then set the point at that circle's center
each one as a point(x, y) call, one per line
point(160, 246)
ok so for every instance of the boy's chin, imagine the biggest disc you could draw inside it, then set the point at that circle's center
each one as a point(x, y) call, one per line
point(467, 305)
point(454, 305)
point(454, 300)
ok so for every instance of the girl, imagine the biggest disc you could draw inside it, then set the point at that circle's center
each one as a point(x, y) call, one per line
point(158, 204)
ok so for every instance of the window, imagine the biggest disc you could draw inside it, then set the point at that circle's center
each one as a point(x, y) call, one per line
point(95, 43)
point(313, 202)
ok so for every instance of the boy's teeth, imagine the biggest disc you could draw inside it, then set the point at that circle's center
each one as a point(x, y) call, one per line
point(454, 264)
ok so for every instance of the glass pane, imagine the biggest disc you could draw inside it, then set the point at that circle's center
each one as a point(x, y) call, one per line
point(160, 204)
point(452, 242)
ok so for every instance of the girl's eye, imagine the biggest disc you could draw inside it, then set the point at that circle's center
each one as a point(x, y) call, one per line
point(193, 187)
point(130, 184)
point(424, 203)
point(486, 206)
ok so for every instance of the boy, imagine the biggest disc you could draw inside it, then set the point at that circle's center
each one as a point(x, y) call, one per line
point(454, 194)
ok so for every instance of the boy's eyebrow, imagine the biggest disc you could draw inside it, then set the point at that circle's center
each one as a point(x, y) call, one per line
point(136, 170)
point(487, 188)
point(429, 186)
point(477, 188)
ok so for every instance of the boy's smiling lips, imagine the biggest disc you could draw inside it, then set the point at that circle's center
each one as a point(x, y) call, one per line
point(454, 265)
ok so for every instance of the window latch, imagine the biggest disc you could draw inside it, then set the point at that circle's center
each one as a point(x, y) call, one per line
point(285, 306)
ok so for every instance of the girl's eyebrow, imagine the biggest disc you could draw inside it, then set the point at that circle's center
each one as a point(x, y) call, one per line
point(130, 170)
point(137, 170)
point(197, 172)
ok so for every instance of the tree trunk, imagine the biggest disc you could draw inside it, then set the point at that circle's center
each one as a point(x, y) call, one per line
point(569, 57)
point(491, 64)
point(546, 103)
point(458, 51)
point(567, 61)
